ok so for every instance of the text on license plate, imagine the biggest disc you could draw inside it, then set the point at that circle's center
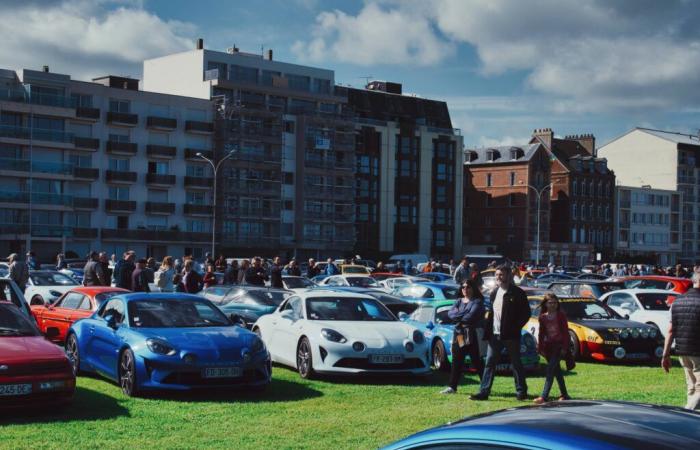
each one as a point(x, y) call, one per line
point(15, 389)
point(221, 372)
point(385, 359)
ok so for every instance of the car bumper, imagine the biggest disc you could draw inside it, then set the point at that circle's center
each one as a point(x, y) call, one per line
point(625, 352)
point(332, 357)
point(49, 389)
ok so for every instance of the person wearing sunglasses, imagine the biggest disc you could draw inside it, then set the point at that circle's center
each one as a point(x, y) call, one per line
point(468, 315)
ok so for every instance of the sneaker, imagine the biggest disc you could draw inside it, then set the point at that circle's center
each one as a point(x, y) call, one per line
point(564, 397)
point(521, 397)
point(448, 390)
point(479, 396)
point(540, 400)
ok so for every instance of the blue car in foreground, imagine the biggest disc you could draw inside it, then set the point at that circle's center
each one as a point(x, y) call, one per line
point(566, 425)
point(167, 341)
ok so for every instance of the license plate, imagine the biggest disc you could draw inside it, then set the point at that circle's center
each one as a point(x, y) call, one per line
point(385, 359)
point(15, 389)
point(221, 372)
point(502, 366)
point(636, 356)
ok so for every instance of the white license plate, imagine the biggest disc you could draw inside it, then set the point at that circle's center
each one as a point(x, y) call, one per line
point(15, 389)
point(502, 366)
point(385, 359)
point(222, 372)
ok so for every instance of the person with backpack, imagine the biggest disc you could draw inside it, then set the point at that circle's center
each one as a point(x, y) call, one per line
point(163, 278)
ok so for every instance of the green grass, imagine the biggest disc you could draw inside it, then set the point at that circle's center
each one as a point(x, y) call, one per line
point(293, 413)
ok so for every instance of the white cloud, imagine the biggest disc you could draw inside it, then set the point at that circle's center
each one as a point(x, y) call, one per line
point(86, 39)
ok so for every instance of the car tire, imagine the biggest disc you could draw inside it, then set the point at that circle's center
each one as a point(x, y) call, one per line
point(440, 356)
point(37, 300)
point(127, 373)
point(305, 363)
point(574, 345)
point(73, 353)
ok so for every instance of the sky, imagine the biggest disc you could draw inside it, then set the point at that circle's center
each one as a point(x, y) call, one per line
point(504, 67)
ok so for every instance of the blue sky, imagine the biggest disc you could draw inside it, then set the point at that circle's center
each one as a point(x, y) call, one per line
point(505, 67)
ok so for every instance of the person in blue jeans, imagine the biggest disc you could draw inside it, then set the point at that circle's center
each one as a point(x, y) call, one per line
point(509, 312)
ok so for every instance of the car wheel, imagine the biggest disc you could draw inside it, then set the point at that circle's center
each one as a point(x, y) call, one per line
point(574, 345)
point(440, 356)
point(72, 353)
point(305, 364)
point(127, 373)
point(37, 300)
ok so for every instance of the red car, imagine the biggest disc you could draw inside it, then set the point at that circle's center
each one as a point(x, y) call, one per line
point(78, 303)
point(32, 369)
point(680, 285)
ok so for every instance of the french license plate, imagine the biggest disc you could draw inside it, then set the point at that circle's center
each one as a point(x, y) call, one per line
point(502, 366)
point(636, 356)
point(385, 359)
point(15, 389)
point(221, 372)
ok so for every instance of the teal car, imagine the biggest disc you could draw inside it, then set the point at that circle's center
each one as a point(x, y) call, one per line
point(428, 292)
point(432, 320)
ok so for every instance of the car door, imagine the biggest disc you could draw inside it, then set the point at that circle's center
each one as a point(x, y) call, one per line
point(105, 340)
point(286, 331)
point(61, 315)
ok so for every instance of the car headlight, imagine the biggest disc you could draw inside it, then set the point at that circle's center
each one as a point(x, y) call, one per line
point(160, 347)
point(418, 337)
point(653, 333)
point(625, 333)
point(257, 346)
point(333, 336)
point(635, 333)
point(55, 293)
point(645, 333)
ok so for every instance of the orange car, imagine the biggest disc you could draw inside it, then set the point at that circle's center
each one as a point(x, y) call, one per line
point(78, 303)
point(680, 285)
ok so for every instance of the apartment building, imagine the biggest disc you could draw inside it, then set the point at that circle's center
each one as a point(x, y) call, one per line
point(648, 225)
point(409, 173)
point(101, 165)
point(662, 160)
point(289, 183)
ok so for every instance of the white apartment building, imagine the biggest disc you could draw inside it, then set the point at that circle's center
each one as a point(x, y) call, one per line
point(662, 160)
point(102, 165)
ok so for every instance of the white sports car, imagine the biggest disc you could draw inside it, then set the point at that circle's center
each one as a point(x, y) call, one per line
point(323, 331)
point(650, 306)
point(46, 286)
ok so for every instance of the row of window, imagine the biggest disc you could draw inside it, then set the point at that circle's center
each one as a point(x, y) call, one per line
point(584, 235)
point(590, 212)
point(648, 199)
point(253, 75)
point(650, 219)
point(589, 188)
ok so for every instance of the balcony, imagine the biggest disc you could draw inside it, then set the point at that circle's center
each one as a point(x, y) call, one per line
point(85, 203)
point(83, 112)
point(318, 190)
point(82, 143)
point(156, 235)
point(118, 176)
point(624, 203)
point(161, 123)
point(195, 126)
point(265, 213)
point(191, 153)
point(255, 186)
point(24, 165)
point(25, 95)
point(86, 173)
point(160, 179)
point(38, 134)
point(125, 119)
point(320, 163)
point(161, 151)
point(39, 198)
point(197, 210)
point(121, 148)
point(120, 206)
point(160, 208)
point(85, 233)
point(199, 182)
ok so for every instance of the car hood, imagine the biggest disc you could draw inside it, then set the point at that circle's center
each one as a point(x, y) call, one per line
point(28, 349)
point(211, 343)
point(372, 333)
point(612, 323)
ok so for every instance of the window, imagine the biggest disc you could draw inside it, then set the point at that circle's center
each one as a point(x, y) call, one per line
point(114, 308)
point(512, 178)
point(573, 235)
point(80, 160)
point(119, 164)
point(299, 82)
point(119, 137)
point(268, 76)
point(575, 188)
point(196, 170)
point(244, 74)
point(157, 195)
point(511, 200)
point(487, 220)
point(72, 300)
point(441, 169)
point(489, 181)
point(322, 86)
point(511, 221)
point(81, 100)
point(119, 106)
point(158, 167)
point(197, 226)
point(489, 200)
point(119, 193)
point(195, 198)
point(574, 211)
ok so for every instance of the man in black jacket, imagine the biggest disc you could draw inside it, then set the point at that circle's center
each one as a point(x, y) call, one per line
point(276, 273)
point(93, 272)
point(255, 275)
point(509, 312)
point(685, 330)
point(139, 277)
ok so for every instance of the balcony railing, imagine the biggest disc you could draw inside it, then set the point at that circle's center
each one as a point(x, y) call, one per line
point(162, 179)
point(161, 151)
point(156, 235)
point(119, 118)
point(197, 210)
point(87, 173)
point(34, 98)
point(38, 229)
point(255, 186)
point(201, 182)
point(160, 208)
point(24, 165)
point(258, 212)
point(261, 156)
point(195, 126)
point(191, 153)
point(85, 203)
point(86, 143)
point(87, 113)
point(161, 123)
point(36, 197)
point(121, 176)
point(120, 205)
point(85, 233)
point(13, 132)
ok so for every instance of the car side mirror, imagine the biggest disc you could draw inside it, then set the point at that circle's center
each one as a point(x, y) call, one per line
point(51, 332)
point(430, 325)
point(238, 320)
point(403, 316)
point(287, 314)
point(111, 321)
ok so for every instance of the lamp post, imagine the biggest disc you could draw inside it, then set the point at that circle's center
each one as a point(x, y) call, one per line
point(539, 195)
point(214, 166)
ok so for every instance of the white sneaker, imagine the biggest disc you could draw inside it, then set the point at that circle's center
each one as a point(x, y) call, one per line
point(448, 390)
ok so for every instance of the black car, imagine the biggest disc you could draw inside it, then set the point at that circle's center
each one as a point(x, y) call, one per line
point(584, 288)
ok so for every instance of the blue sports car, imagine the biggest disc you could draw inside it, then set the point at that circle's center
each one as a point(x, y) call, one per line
point(438, 329)
point(425, 292)
point(437, 277)
point(167, 341)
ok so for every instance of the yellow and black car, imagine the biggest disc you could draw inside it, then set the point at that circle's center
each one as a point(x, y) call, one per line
point(598, 332)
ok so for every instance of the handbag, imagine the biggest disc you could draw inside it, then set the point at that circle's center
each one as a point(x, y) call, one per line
point(462, 336)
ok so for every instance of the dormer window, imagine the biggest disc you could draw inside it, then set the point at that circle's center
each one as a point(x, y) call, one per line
point(492, 155)
point(472, 156)
point(516, 153)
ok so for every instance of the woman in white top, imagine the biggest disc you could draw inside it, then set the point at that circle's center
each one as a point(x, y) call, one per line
point(164, 275)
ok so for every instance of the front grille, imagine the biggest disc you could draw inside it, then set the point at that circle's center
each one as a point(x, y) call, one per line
point(39, 368)
point(363, 363)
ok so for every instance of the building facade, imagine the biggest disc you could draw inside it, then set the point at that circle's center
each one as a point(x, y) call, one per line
point(101, 165)
point(662, 160)
point(648, 225)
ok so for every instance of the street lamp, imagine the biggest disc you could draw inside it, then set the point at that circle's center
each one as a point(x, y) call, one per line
point(214, 166)
point(539, 195)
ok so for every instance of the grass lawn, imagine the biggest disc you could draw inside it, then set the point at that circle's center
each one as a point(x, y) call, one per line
point(293, 413)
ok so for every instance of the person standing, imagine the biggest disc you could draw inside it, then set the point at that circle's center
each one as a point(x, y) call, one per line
point(293, 268)
point(509, 313)
point(93, 272)
point(553, 344)
point(61, 262)
point(191, 280)
point(276, 273)
point(461, 273)
point(255, 275)
point(123, 271)
point(104, 262)
point(468, 315)
point(31, 261)
point(209, 278)
point(139, 277)
point(19, 272)
point(221, 264)
point(245, 265)
point(150, 269)
point(312, 271)
point(231, 273)
point(685, 330)
point(163, 278)
point(331, 268)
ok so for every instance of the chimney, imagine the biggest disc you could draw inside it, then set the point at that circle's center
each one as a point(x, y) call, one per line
point(269, 55)
point(200, 44)
point(46, 69)
point(546, 135)
point(587, 141)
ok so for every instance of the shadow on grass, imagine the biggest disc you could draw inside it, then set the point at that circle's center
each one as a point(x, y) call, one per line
point(87, 404)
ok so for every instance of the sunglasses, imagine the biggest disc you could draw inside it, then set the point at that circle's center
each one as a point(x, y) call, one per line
point(466, 286)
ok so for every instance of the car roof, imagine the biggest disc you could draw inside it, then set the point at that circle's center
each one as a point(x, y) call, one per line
point(436, 285)
point(580, 281)
point(643, 291)
point(155, 296)
point(654, 277)
point(94, 290)
point(321, 292)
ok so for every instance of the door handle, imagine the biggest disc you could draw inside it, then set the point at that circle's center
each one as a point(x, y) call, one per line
point(92, 330)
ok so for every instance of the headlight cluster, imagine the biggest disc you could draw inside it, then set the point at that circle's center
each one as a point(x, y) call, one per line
point(333, 336)
point(160, 347)
point(257, 346)
point(418, 337)
point(638, 332)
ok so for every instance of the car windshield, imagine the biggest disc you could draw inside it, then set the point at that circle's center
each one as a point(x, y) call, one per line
point(347, 308)
point(14, 323)
point(258, 297)
point(354, 269)
point(297, 283)
point(648, 284)
point(174, 313)
point(102, 296)
point(441, 316)
point(656, 302)
point(608, 287)
point(578, 310)
point(362, 281)
point(52, 279)
point(451, 293)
